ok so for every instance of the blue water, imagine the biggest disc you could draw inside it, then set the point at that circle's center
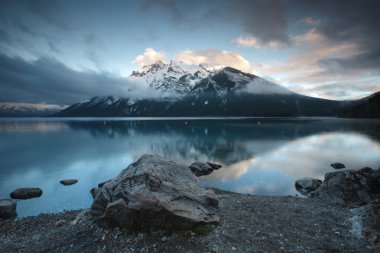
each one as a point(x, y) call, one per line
point(261, 156)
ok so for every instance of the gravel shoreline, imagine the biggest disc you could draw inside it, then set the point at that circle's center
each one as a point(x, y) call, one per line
point(248, 224)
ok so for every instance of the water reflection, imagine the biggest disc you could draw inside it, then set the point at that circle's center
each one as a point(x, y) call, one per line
point(263, 158)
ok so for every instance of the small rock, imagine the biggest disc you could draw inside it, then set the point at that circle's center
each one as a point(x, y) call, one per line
point(8, 208)
point(69, 181)
point(233, 248)
point(338, 166)
point(164, 239)
point(60, 223)
point(201, 168)
point(26, 193)
point(307, 185)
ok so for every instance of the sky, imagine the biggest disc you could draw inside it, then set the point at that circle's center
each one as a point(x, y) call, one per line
point(63, 52)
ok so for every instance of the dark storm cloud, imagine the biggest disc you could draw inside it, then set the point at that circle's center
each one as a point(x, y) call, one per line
point(91, 39)
point(49, 81)
point(53, 47)
point(350, 22)
point(265, 20)
point(26, 23)
point(50, 11)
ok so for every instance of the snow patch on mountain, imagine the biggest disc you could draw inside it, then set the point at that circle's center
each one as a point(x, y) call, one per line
point(176, 77)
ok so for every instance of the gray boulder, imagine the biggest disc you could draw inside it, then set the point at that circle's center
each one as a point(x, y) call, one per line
point(8, 208)
point(154, 193)
point(350, 187)
point(201, 168)
point(26, 193)
point(307, 185)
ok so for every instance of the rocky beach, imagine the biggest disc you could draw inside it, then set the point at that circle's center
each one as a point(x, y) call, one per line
point(155, 205)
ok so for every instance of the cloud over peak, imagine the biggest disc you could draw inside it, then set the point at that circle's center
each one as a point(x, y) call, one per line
point(149, 56)
point(215, 57)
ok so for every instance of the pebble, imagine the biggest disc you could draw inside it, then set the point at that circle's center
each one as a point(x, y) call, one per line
point(60, 223)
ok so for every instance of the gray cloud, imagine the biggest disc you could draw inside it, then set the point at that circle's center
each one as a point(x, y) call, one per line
point(50, 11)
point(349, 22)
point(342, 90)
point(53, 47)
point(49, 81)
point(265, 20)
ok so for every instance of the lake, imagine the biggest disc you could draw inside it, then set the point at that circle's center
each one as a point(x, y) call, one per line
point(262, 156)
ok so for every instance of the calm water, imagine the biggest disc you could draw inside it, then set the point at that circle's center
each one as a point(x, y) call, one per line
point(260, 156)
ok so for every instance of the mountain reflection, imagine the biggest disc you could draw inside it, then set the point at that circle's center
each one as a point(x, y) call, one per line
point(260, 156)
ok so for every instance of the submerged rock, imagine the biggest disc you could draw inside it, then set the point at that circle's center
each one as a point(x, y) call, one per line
point(8, 208)
point(351, 187)
point(26, 193)
point(338, 166)
point(154, 193)
point(69, 181)
point(307, 185)
point(202, 168)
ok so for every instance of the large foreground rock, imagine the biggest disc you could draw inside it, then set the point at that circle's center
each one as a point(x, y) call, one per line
point(8, 208)
point(351, 187)
point(154, 193)
point(26, 193)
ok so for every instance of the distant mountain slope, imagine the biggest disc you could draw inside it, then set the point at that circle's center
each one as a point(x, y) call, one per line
point(368, 107)
point(28, 110)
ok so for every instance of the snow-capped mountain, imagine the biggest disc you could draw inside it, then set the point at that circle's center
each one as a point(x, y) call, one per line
point(27, 109)
point(184, 79)
point(175, 76)
point(205, 91)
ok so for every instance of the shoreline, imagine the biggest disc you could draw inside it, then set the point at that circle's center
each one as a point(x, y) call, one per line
point(248, 223)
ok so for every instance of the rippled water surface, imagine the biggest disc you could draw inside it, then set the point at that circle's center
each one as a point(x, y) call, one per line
point(259, 156)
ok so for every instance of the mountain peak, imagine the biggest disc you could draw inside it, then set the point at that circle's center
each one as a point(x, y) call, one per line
point(174, 76)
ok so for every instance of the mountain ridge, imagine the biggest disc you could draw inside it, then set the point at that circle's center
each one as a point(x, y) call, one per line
point(224, 91)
